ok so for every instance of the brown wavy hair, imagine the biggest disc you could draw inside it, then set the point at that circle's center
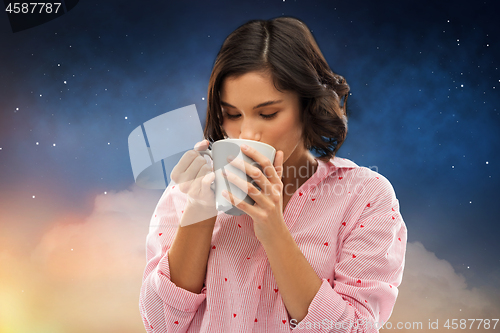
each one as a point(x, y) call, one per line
point(284, 48)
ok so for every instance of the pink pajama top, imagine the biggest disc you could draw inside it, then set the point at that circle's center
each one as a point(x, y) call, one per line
point(346, 221)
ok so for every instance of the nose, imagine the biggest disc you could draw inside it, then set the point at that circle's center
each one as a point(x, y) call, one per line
point(249, 131)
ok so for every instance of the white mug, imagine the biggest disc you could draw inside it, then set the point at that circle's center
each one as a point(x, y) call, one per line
point(220, 151)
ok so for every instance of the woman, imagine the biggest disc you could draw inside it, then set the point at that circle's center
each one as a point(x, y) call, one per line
point(323, 247)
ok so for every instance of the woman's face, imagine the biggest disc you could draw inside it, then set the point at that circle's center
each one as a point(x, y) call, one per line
point(254, 109)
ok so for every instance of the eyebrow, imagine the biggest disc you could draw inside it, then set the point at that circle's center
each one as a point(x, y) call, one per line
point(255, 107)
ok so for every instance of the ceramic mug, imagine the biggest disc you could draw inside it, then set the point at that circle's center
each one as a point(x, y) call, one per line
point(220, 151)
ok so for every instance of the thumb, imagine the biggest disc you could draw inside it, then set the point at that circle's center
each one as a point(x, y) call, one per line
point(278, 163)
point(202, 145)
point(209, 178)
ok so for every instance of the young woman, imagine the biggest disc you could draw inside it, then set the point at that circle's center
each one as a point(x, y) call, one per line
point(323, 247)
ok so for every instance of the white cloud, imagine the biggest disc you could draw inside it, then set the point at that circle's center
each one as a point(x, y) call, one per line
point(108, 242)
point(431, 289)
point(96, 286)
point(92, 288)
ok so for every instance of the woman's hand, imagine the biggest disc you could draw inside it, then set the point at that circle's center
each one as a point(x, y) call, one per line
point(267, 212)
point(194, 177)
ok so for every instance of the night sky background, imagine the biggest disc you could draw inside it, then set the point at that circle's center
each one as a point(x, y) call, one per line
point(424, 112)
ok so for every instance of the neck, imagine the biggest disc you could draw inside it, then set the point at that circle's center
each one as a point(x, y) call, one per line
point(297, 169)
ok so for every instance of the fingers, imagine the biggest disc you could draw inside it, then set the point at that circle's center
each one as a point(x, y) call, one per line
point(268, 169)
point(193, 171)
point(278, 163)
point(204, 170)
point(246, 187)
point(206, 181)
point(202, 145)
point(194, 175)
point(187, 160)
point(200, 189)
point(182, 165)
point(201, 179)
point(254, 170)
point(188, 169)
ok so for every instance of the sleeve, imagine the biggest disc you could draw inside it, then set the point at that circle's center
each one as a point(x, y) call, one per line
point(369, 266)
point(164, 307)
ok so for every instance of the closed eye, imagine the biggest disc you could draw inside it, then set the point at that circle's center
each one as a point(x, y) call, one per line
point(265, 116)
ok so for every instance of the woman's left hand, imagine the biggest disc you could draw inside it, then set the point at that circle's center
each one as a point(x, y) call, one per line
point(267, 212)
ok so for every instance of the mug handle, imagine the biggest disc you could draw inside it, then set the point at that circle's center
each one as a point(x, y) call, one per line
point(209, 154)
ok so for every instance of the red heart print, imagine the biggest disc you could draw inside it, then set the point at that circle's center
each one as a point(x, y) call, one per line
point(300, 194)
point(361, 226)
point(353, 256)
point(376, 177)
point(234, 314)
point(213, 247)
point(390, 286)
point(155, 215)
point(393, 209)
point(176, 322)
point(343, 223)
point(239, 225)
point(313, 199)
point(255, 319)
point(399, 239)
point(182, 211)
point(160, 233)
point(349, 192)
point(225, 279)
point(173, 186)
point(275, 290)
point(328, 280)
point(368, 205)
point(326, 244)
point(151, 326)
point(393, 217)
point(284, 321)
point(359, 281)
point(366, 301)
point(340, 178)
point(248, 257)
point(259, 287)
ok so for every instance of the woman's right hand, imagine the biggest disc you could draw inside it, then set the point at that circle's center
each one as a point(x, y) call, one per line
point(194, 176)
